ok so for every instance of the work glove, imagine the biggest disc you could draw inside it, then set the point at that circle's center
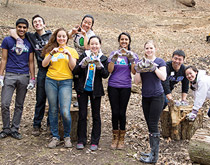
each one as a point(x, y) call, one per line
point(184, 103)
point(192, 115)
point(114, 56)
point(97, 62)
point(139, 67)
point(2, 81)
point(130, 56)
point(31, 84)
point(19, 46)
point(85, 61)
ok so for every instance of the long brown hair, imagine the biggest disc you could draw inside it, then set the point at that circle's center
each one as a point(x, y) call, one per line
point(53, 42)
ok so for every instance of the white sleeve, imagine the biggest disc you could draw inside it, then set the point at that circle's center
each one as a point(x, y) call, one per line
point(200, 94)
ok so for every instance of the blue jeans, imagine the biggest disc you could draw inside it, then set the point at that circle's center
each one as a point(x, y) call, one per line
point(165, 101)
point(40, 99)
point(59, 95)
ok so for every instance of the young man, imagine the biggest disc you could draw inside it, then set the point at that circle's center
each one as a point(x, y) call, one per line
point(17, 63)
point(175, 73)
point(38, 40)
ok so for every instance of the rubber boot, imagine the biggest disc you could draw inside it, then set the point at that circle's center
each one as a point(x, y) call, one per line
point(115, 139)
point(153, 157)
point(150, 142)
point(121, 144)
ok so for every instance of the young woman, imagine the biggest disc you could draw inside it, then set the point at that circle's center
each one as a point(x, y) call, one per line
point(121, 64)
point(81, 35)
point(58, 84)
point(91, 68)
point(152, 70)
point(200, 84)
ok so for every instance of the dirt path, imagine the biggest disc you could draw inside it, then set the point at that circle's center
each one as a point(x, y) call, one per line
point(171, 28)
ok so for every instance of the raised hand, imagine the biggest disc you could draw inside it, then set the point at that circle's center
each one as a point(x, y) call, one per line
point(85, 61)
point(97, 62)
point(130, 56)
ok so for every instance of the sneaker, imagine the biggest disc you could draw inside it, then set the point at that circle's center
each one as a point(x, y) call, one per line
point(36, 131)
point(93, 147)
point(54, 142)
point(3, 134)
point(80, 146)
point(16, 135)
point(67, 142)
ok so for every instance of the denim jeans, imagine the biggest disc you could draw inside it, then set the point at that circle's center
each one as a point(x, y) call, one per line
point(12, 82)
point(40, 99)
point(59, 94)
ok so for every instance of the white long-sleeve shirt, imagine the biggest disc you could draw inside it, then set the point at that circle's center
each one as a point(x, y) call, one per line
point(202, 91)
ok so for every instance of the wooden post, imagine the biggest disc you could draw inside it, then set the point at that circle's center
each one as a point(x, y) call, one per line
point(199, 147)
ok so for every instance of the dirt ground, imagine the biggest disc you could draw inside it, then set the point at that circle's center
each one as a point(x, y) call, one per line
point(172, 26)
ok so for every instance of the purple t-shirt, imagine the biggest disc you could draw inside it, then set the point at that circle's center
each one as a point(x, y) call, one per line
point(17, 63)
point(151, 84)
point(121, 75)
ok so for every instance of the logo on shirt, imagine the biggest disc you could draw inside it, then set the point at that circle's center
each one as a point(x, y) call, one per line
point(179, 78)
point(91, 66)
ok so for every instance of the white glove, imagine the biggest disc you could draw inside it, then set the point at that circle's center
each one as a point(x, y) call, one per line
point(19, 46)
point(85, 61)
point(2, 81)
point(192, 115)
point(97, 62)
point(31, 84)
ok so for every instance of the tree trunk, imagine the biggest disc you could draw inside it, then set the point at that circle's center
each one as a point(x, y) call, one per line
point(199, 147)
point(174, 124)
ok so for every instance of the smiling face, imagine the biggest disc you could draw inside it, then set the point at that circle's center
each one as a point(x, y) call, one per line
point(124, 41)
point(177, 61)
point(149, 49)
point(21, 29)
point(38, 24)
point(95, 45)
point(190, 74)
point(87, 24)
point(61, 38)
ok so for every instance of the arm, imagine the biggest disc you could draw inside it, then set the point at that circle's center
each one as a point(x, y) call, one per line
point(31, 65)
point(3, 61)
point(13, 33)
point(72, 62)
point(46, 60)
point(137, 78)
point(184, 96)
point(161, 73)
point(110, 67)
point(104, 71)
point(132, 68)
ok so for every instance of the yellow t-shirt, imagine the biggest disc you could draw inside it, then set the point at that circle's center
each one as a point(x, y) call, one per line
point(59, 65)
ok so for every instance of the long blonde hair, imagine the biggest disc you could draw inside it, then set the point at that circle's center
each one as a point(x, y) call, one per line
point(53, 42)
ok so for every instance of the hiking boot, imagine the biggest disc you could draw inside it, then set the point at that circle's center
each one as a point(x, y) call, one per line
point(121, 144)
point(54, 142)
point(80, 146)
point(67, 142)
point(115, 139)
point(36, 131)
point(93, 147)
point(3, 134)
point(16, 135)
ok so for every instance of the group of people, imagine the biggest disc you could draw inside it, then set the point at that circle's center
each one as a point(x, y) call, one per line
point(60, 66)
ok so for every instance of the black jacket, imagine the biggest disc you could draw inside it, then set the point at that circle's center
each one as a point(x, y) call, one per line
point(173, 78)
point(98, 89)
